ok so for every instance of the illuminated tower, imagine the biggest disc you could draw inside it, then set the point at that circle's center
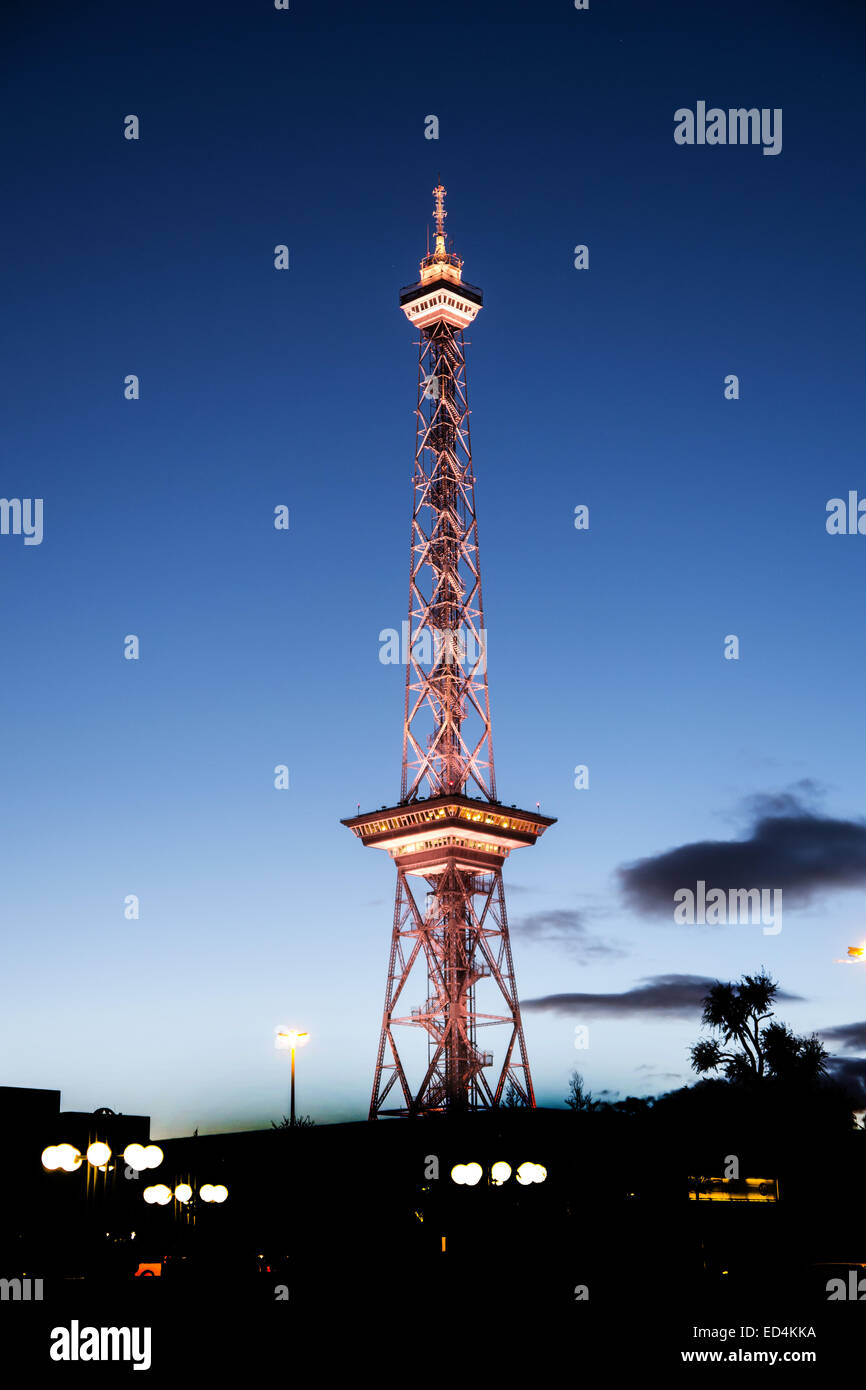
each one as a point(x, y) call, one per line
point(449, 835)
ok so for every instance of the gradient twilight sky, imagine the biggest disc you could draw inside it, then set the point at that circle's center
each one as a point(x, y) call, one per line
point(261, 387)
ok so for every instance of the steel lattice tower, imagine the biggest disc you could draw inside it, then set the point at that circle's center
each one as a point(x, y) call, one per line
point(449, 830)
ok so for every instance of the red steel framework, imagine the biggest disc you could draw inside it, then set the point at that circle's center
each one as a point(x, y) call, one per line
point(448, 830)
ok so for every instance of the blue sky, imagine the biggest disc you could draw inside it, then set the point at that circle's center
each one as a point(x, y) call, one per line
point(261, 387)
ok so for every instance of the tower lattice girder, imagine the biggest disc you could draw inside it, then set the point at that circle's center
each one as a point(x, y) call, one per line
point(448, 829)
point(447, 720)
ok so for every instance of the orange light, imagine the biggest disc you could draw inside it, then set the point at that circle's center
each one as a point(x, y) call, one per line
point(733, 1190)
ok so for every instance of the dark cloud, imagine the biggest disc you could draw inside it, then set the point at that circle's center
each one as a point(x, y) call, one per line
point(789, 847)
point(851, 1072)
point(671, 996)
point(852, 1036)
point(568, 927)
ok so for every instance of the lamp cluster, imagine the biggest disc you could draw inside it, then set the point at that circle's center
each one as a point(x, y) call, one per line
point(160, 1195)
point(141, 1157)
point(67, 1158)
point(469, 1174)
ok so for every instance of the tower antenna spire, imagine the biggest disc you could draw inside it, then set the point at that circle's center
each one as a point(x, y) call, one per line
point(439, 215)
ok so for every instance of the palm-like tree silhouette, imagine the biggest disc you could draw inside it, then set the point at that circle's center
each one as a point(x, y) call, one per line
point(746, 1051)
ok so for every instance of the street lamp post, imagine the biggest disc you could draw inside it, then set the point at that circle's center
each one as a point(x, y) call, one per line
point(289, 1038)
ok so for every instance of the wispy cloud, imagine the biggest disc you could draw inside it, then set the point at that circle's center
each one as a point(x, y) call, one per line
point(650, 1069)
point(568, 927)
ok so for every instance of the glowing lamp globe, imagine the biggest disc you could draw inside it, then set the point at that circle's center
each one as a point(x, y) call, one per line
point(529, 1173)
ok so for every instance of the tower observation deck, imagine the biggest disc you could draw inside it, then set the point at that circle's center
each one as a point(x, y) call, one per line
point(448, 828)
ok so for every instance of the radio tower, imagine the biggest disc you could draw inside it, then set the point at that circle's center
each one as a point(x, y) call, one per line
point(449, 833)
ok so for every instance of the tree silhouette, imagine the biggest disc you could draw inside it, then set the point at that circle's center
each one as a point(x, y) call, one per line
point(745, 1051)
point(513, 1100)
point(577, 1098)
point(301, 1122)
